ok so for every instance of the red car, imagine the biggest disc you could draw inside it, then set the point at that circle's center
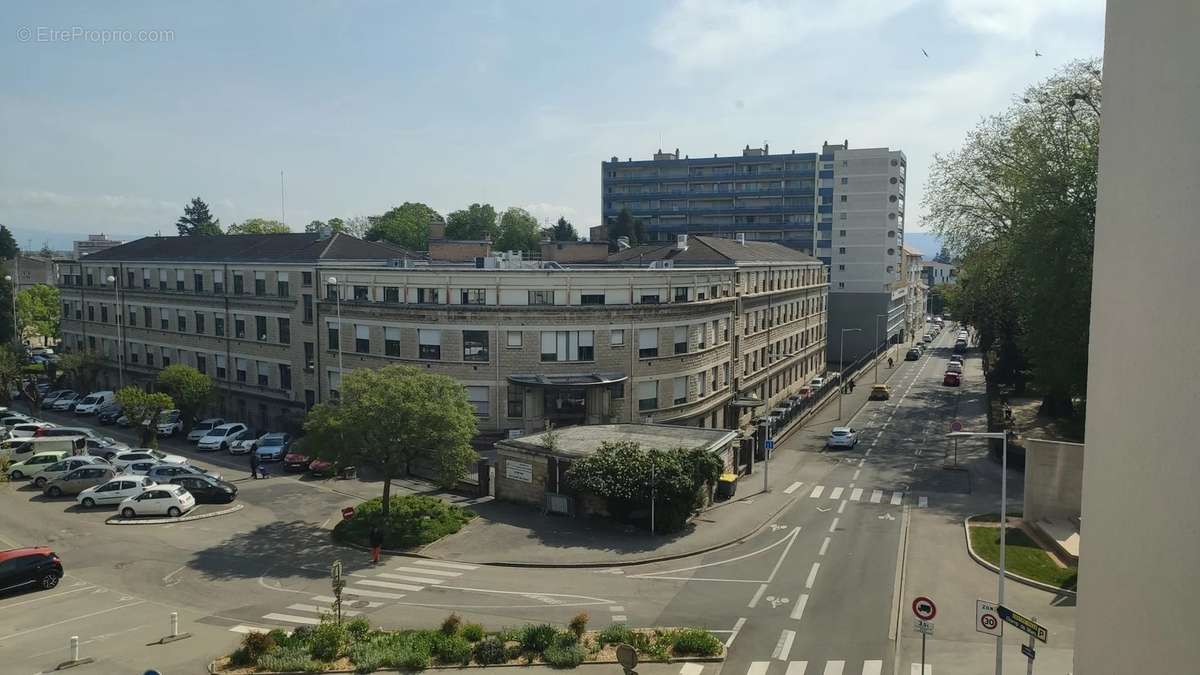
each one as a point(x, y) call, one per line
point(294, 461)
point(321, 467)
point(952, 379)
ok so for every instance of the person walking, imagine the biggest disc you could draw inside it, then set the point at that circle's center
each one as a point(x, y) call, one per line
point(375, 538)
point(254, 465)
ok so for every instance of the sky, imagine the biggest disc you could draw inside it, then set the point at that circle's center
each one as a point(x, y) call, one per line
point(114, 115)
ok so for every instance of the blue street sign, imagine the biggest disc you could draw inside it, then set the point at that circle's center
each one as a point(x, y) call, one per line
point(1027, 651)
point(770, 443)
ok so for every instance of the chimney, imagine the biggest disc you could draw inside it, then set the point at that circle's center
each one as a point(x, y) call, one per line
point(681, 242)
point(622, 243)
point(437, 231)
point(741, 238)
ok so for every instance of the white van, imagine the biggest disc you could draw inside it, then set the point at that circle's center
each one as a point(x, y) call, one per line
point(19, 449)
point(92, 402)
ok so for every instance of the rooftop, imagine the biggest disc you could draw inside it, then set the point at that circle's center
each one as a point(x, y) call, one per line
point(708, 250)
point(292, 247)
point(582, 441)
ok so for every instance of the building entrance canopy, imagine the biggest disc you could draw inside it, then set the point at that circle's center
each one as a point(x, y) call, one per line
point(570, 380)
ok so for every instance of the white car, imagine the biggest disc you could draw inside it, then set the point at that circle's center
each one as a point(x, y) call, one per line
point(64, 467)
point(817, 382)
point(201, 429)
point(121, 460)
point(114, 491)
point(28, 429)
point(12, 419)
point(170, 422)
point(65, 401)
point(842, 437)
point(90, 403)
point(171, 500)
point(222, 437)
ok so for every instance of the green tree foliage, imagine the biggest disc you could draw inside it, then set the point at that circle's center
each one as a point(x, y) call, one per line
point(406, 225)
point(389, 418)
point(8, 244)
point(943, 256)
point(83, 368)
point(10, 372)
point(625, 225)
point(475, 222)
point(143, 408)
point(258, 226)
point(39, 310)
point(518, 231)
point(197, 221)
point(191, 390)
point(7, 326)
point(1018, 201)
point(315, 226)
point(563, 230)
point(626, 475)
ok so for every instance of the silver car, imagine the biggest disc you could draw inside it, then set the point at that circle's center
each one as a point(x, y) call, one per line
point(203, 427)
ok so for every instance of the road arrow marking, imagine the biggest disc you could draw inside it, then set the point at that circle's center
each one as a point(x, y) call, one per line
point(887, 516)
point(824, 509)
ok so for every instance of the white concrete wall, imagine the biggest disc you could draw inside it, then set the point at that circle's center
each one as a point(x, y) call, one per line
point(1053, 479)
point(1140, 556)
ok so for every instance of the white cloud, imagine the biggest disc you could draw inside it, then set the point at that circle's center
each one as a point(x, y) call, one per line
point(1015, 19)
point(27, 198)
point(550, 212)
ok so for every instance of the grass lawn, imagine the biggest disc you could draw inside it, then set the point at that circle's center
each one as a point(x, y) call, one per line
point(1023, 556)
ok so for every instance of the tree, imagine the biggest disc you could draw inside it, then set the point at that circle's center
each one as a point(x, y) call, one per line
point(389, 418)
point(191, 390)
point(563, 230)
point(406, 225)
point(46, 251)
point(143, 408)
point(10, 373)
point(1018, 201)
point(197, 221)
point(7, 325)
point(8, 245)
point(258, 226)
point(39, 310)
point(83, 368)
point(518, 231)
point(315, 226)
point(625, 225)
point(943, 256)
point(475, 222)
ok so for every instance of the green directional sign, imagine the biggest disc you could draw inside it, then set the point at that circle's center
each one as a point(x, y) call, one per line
point(1023, 623)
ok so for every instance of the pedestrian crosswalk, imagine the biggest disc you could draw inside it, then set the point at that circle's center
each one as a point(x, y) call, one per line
point(365, 589)
point(857, 494)
point(830, 667)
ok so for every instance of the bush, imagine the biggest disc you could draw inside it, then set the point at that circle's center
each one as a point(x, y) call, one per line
point(451, 624)
point(289, 659)
point(254, 645)
point(452, 649)
point(696, 641)
point(512, 652)
point(358, 629)
point(328, 641)
point(536, 637)
point(616, 634)
point(489, 652)
point(509, 634)
point(565, 639)
point(563, 657)
point(413, 520)
point(473, 632)
point(578, 624)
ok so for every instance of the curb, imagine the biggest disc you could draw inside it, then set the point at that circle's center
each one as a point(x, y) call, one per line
point(212, 665)
point(1040, 585)
point(118, 520)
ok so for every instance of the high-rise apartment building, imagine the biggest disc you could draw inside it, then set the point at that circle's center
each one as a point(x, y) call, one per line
point(844, 206)
point(94, 244)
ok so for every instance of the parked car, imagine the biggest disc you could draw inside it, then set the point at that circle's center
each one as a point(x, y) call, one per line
point(952, 379)
point(13, 419)
point(817, 383)
point(65, 401)
point(222, 437)
point(64, 467)
point(879, 392)
point(123, 420)
point(247, 444)
point(955, 368)
point(17, 449)
point(163, 473)
point(960, 347)
point(295, 461)
point(170, 422)
point(170, 500)
point(124, 459)
point(842, 437)
point(106, 451)
point(201, 428)
point(90, 403)
point(35, 463)
point(109, 413)
point(956, 358)
point(912, 354)
point(30, 566)
point(113, 491)
point(52, 396)
point(206, 489)
point(51, 432)
point(86, 476)
point(272, 447)
point(28, 429)
point(928, 338)
point(322, 467)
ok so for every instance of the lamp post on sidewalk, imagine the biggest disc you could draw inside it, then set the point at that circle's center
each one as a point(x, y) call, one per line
point(120, 317)
point(337, 294)
point(885, 317)
point(1003, 436)
point(842, 365)
point(752, 401)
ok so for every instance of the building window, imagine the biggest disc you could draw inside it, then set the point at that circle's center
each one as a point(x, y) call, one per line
point(841, 268)
point(845, 180)
point(391, 341)
point(164, 321)
point(219, 326)
point(891, 216)
point(201, 363)
point(260, 328)
point(306, 279)
point(681, 294)
point(166, 356)
point(260, 283)
point(616, 337)
point(648, 299)
point(218, 282)
point(475, 345)
point(149, 356)
point(285, 376)
point(199, 323)
point(474, 296)
point(891, 234)
point(133, 354)
point(478, 397)
point(281, 284)
point(428, 296)
point(162, 280)
point(362, 339)
point(240, 369)
point(841, 249)
point(680, 386)
point(516, 402)
point(681, 339)
point(362, 294)
point(647, 342)
point(221, 372)
point(179, 280)
point(331, 292)
point(567, 345)
point(841, 233)
point(181, 322)
point(285, 331)
point(391, 294)
point(335, 340)
point(91, 312)
point(591, 299)
point(429, 344)
point(647, 393)
point(842, 215)
point(540, 298)
point(335, 386)
point(239, 283)
point(513, 338)
point(129, 279)
point(239, 327)
point(264, 374)
point(307, 301)
point(103, 313)
point(198, 282)
point(309, 356)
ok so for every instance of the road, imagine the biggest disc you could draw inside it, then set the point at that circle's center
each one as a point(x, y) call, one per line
point(814, 592)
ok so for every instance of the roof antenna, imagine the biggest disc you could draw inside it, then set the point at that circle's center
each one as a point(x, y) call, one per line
point(282, 212)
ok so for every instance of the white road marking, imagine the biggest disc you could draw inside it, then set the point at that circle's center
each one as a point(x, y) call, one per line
point(757, 596)
point(47, 597)
point(619, 618)
point(59, 623)
point(897, 497)
point(167, 578)
point(248, 629)
point(876, 495)
point(824, 546)
point(797, 668)
point(419, 580)
point(834, 667)
point(354, 590)
point(812, 575)
point(836, 493)
point(916, 669)
point(758, 668)
point(330, 599)
point(856, 494)
point(817, 491)
point(842, 506)
point(856, 472)
point(923, 501)
point(390, 584)
point(789, 537)
point(322, 610)
point(784, 647)
point(798, 610)
point(616, 608)
point(833, 525)
point(861, 462)
point(691, 669)
point(792, 488)
point(872, 667)
point(292, 618)
point(737, 628)
point(448, 565)
point(423, 570)
point(868, 452)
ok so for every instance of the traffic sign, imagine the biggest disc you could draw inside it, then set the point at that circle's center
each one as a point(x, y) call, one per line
point(1024, 623)
point(986, 619)
point(923, 627)
point(770, 444)
point(923, 608)
point(956, 426)
point(1028, 651)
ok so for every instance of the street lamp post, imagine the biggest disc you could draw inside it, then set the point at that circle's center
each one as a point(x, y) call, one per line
point(842, 365)
point(337, 295)
point(1003, 436)
point(752, 401)
point(120, 335)
point(885, 317)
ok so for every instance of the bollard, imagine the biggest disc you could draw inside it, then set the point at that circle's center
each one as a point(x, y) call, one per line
point(74, 660)
point(174, 624)
point(174, 634)
point(74, 648)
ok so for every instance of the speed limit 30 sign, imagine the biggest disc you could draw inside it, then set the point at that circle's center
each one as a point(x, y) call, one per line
point(987, 619)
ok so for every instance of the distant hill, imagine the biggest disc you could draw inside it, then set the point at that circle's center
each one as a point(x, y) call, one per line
point(927, 243)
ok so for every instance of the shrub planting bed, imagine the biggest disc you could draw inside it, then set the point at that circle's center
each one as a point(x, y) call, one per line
point(413, 520)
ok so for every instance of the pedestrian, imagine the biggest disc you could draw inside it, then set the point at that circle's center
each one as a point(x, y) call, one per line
point(254, 465)
point(375, 538)
point(851, 385)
